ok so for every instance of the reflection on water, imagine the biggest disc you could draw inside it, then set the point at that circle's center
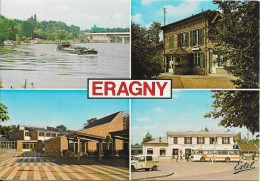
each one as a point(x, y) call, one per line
point(46, 67)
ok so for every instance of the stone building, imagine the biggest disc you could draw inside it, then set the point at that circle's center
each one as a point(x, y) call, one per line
point(188, 45)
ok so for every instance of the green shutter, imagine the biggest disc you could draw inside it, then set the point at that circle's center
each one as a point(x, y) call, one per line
point(202, 62)
point(201, 36)
point(179, 40)
point(187, 39)
point(191, 38)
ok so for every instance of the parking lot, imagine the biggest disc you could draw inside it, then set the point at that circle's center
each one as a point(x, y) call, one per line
point(183, 170)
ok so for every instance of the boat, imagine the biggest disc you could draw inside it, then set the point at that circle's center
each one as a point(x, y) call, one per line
point(80, 50)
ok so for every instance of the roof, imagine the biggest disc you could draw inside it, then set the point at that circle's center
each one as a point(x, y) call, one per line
point(248, 147)
point(181, 51)
point(158, 141)
point(103, 120)
point(202, 14)
point(198, 133)
point(83, 136)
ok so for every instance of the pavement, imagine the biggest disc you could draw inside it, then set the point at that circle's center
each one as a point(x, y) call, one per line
point(18, 166)
point(183, 170)
point(212, 81)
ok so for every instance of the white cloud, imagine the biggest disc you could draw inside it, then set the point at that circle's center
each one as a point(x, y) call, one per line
point(187, 7)
point(145, 119)
point(137, 19)
point(146, 2)
point(159, 109)
point(81, 13)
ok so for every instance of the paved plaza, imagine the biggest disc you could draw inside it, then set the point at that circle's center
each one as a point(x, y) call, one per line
point(33, 166)
point(214, 81)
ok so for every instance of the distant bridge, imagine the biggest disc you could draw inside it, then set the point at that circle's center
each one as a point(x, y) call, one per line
point(123, 37)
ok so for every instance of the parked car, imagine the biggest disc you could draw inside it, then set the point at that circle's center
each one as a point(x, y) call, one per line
point(147, 163)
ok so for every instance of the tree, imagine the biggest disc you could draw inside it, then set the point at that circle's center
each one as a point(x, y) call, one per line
point(147, 138)
point(3, 113)
point(237, 33)
point(146, 51)
point(89, 121)
point(236, 109)
point(62, 127)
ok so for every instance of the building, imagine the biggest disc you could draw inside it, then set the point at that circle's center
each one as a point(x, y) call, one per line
point(248, 150)
point(136, 149)
point(188, 46)
point(109, 133)
point(182, 143)
point(27, 137)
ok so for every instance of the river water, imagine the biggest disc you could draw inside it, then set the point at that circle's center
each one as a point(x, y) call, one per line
point(44, 67)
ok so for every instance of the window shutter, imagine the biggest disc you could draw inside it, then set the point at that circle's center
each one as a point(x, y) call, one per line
point(179, 40)
point(201, 36)
point(202, 62)
point(187, 39)
point(191, 38)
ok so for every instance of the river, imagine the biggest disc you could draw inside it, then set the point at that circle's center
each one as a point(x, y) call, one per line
point(44, 67)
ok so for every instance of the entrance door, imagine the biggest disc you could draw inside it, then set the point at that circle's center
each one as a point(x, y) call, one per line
point(175, 153)
point(187, 153)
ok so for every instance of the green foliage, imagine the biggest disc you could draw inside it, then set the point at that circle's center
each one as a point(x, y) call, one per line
point(146, 52)
point(238, 35)
point(31, 28)
point(96, 29)
point(62, 127)
point(5, 130)
point(147, 138)
point(236, 109)
point(89, 121)
point(3, 113)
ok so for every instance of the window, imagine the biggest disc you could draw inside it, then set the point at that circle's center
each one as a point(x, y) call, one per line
point(197, 37)
point(171, 42)
point(213, 140)
point(41, 133)
point(162, 152)
point(198, 60)
point(175, 140)
point(200, 140)
point(26, 133)
point(187, 140)
point(225, 140)
point(142, 159)
point(28, 145)
point(48, 134)
point(149, 158)
point(183, 39)
point(53, 134)
point(149, 151)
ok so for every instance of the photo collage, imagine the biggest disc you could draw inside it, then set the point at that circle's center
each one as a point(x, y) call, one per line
point(55, 55)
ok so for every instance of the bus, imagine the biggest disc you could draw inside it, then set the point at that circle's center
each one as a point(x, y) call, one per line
point(216, 155)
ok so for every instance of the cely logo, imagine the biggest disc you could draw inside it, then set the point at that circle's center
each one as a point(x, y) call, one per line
point(243, 166)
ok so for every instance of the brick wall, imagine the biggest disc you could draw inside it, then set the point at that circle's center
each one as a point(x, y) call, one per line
point(34, 135)
point(103, 130)
point(55, 146)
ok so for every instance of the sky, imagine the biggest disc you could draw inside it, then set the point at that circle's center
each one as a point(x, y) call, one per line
point(42, 108)
point(184, 112)
point(82, 13)
point(144, 12)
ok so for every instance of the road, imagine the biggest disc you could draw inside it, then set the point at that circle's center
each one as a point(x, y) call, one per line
point(199, 171)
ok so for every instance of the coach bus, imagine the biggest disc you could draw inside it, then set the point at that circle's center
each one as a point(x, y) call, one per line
point(216, 155)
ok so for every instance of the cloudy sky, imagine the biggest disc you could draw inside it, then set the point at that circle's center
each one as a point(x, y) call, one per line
point(83, 13)
point(184, 112)
point(145, 12)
